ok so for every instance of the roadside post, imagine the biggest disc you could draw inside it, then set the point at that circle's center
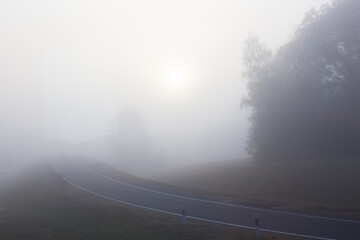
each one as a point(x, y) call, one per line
point(257, 227)
point(183, 213)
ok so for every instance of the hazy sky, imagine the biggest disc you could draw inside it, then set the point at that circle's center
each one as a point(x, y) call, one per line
point(70, 68)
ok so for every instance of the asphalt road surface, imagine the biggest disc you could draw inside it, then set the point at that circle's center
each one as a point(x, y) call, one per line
point(206, 209)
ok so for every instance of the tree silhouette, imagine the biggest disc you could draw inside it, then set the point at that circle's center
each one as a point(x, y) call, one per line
point(306, 97)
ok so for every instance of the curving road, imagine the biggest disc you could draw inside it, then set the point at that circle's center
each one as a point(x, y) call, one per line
point(312, 227)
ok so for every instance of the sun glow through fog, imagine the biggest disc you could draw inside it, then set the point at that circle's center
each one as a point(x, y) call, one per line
point(176, 81)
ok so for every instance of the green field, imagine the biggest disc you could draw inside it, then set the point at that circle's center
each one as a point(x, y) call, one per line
point(325, 186)
point(42, 206)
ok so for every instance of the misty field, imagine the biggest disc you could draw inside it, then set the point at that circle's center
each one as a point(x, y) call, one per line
point(43, 206)
point(327, 186)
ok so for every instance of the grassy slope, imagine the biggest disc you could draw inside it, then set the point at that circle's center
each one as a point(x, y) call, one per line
point(42, 206)
point(319, 186)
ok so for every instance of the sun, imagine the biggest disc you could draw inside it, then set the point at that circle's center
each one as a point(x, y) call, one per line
point(175, 80)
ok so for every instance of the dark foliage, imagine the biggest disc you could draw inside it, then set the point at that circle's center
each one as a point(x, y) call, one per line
point(306, 97)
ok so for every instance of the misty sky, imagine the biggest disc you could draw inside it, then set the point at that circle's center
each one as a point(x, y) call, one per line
point(71, 69)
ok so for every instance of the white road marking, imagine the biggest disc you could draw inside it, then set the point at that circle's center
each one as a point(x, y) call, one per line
point(218, 203)
point(195, 218)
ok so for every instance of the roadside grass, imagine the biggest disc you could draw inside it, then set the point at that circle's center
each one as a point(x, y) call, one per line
point(320, 186)
point(43, 206)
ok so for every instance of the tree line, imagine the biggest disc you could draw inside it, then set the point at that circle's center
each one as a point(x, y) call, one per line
point(305, 97)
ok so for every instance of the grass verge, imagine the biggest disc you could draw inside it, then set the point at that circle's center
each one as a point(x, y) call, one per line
point(320, 186)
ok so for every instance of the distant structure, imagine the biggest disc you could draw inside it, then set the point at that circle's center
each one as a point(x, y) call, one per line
point(129, 148)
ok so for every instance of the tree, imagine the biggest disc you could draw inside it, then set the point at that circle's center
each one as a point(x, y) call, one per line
point(306, 97)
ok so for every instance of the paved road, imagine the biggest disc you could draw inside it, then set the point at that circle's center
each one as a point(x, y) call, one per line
point(204, 209)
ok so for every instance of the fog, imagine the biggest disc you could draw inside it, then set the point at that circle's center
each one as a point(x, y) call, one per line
point(145, 86)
